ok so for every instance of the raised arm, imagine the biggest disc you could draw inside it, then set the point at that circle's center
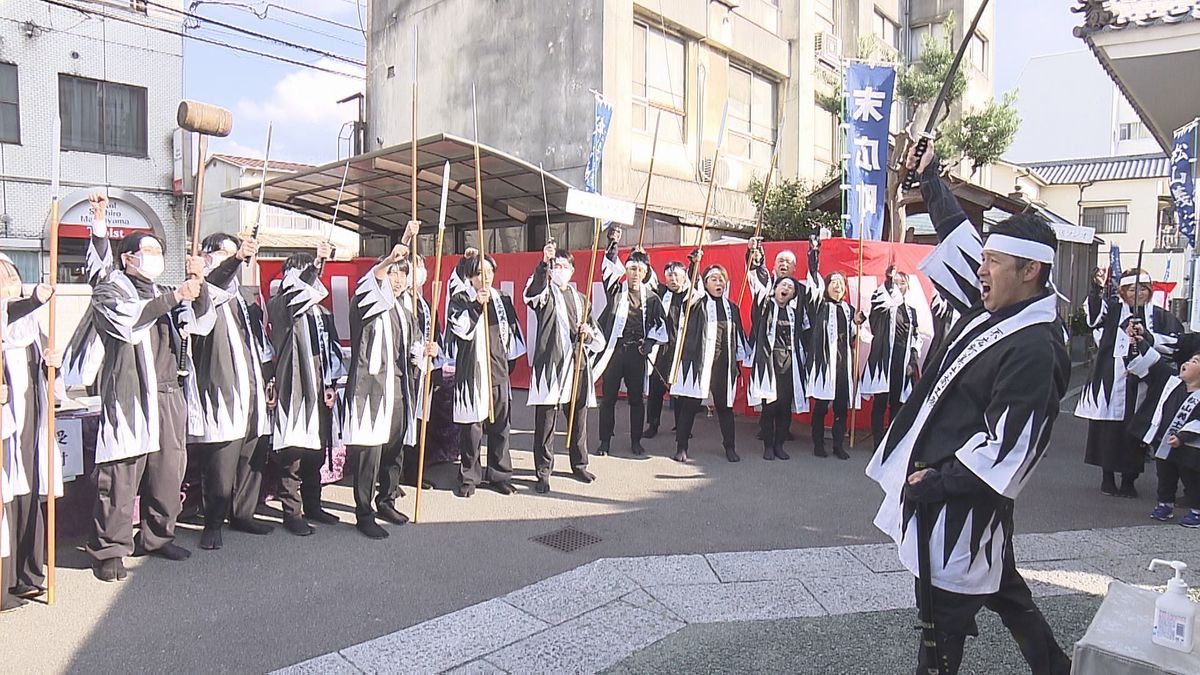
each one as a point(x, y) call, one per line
point(953, 267)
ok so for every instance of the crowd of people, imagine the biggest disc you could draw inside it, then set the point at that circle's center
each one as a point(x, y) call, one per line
point(192, 377)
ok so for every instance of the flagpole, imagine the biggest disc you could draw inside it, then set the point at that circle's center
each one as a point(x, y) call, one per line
point(854, 343)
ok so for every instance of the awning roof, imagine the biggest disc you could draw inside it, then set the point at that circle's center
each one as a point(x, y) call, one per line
point(377, 196)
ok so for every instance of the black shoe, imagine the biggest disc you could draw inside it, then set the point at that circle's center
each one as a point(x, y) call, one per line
point(465, 490)
point(389, 513)
point(104, 570)
point(504, 487)
point(320, 515)
point(119, 567)
point(27, 591)
point(371, 529)
point(637, 449)
point(602, 449)
point(841, 453)
point(426, 485)
point(731, 455)
point(400, 492)
point(297, 526)
point(210, 539)
point(171, 551)
point(1108, 488)
point(820, 452)
point(1127, 490)
point(583, 475)
point(680, 456)
point(769, 454)
point(250, 526)
point(543, 486)
point(650, 432)
point(780, 454)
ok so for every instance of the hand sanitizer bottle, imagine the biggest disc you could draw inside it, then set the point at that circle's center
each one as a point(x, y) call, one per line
point(1174, 614)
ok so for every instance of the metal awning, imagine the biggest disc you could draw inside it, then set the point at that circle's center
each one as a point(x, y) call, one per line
point(377, 196)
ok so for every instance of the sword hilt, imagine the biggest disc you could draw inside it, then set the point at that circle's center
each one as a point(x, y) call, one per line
point(181, 368)
point(911, 180)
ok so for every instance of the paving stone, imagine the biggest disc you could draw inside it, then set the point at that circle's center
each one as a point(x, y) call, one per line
point(588, 643)
point(478, 667)
point(1071, 545)
point(785, 564)
point(869, 593)
point(1132, 568)
point(1063, 577)
point(640, 598)
point(447, 641)
point(743, 601)
point(662, 570)
point(1158, 538)
point(329, 664)
point(573, 593)
point(877, 557)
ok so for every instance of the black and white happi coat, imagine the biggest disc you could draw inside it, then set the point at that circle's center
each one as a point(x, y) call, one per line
point(417, 364)
point(113, 343)
point(553, 363)
point(985, 407)
point(1176, 412)
point(472, 382)
point(944, 317)
point(763, 388)
point(1103, 396)
point(307, 358)
point(379, 382)
point(826, 339)
point(672, 303)
point(880, 371)
point(695, 350)
point(229, 349)
point(616, 310)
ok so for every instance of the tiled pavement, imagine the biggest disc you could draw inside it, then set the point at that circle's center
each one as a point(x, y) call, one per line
point(596, 615)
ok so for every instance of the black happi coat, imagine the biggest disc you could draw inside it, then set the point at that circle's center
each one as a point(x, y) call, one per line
point(895, 347)
point(473, 372)
point(831, 339)
point(553, 364)
point(981, 414)
point(764, 374)
point(1176, 412)
point(616, 310)
point(696, 349)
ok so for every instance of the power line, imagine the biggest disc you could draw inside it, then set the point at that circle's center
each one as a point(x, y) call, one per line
point(195, 4)
point(264, 16)
point(199, 38)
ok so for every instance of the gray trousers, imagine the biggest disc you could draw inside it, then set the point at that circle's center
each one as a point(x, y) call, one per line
point(156, 477)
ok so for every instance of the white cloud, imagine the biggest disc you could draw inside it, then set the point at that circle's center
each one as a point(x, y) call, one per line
point(228, 146)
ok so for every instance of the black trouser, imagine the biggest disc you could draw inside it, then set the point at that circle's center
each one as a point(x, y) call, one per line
point(954, 618)
point(775, 420)
point(659, 388)
point(499, 462)
point(231, 476)
point(155, 476)
point(26, 514)
point(629, 365)
point(379, 464)
point(819, 408)
point(687, 408)
point(300, 480)
point(1170, 475)
point(391, 470)
point(543, 434)
point(884, 408)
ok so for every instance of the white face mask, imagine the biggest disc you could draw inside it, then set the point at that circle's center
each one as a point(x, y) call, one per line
point(422, 276)
point(561, 276)
point(150, 266)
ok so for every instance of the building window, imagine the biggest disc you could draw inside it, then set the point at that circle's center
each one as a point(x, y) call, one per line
point(827, 10)
point(1107, 219)
point(751, 116)
point(658, 76)
point(10, 111)
point(977, 53)
point(1169, 237)
point(28, 264)
point(102, 116)
point(917, 37)
point(1132, 131)
point(888, 32)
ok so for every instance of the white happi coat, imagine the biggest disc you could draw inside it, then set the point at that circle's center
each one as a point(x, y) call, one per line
point(553, 364)
point(472, 386)
point(696, 351)
point(763, 386)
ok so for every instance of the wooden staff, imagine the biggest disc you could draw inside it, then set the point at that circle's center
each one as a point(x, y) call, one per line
point(52, 376)
point(762, 207)
point(412, 248)
point(425, 386)
point(854, 343)
point(649, 180)
point(687, 305)
point(487, 366)
point(3, 447)
point(587, 310)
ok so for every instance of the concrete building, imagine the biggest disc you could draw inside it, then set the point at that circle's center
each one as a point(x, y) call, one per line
point(281, 232)
point(115, 83)
point(666, 63)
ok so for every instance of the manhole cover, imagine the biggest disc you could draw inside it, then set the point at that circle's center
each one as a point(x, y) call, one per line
point(567, 539)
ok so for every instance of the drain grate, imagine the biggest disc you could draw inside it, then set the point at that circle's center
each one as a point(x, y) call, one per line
point(567, 539)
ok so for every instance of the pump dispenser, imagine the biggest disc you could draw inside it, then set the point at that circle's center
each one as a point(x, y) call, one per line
point(1174, 613)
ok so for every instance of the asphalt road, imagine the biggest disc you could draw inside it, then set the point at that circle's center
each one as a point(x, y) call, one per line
point(266, 602)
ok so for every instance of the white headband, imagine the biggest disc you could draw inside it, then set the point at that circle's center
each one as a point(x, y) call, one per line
point(1021, 248)
point(1131, 279)
point(715, 271)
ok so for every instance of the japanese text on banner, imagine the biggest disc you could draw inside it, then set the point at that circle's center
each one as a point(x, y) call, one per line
point(1183, 180)
point(602, 121)
point(869, 92)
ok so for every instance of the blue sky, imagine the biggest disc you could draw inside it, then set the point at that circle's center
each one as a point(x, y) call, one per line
point(301, 102)
point(303, 105)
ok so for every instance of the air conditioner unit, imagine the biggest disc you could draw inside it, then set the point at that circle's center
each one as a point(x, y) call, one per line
point(829, 48)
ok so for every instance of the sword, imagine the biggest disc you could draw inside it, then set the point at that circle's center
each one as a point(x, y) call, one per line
point(910, 181)
point(337, 206)
point(262, 188)
point(1135, 320)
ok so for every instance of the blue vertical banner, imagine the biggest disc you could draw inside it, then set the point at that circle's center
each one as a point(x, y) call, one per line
point(601, 122)
point(1183, 179)
point(1114, 270)
point(869, 109)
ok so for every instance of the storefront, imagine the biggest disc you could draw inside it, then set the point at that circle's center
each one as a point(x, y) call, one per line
point(126, 214)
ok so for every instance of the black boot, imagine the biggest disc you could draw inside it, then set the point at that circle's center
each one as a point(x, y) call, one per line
point(1108, 484)
point(731, 455)
point(651, 431)
point(780, 454)
point(210, 539)
point(768, 452)
point(1127, 490)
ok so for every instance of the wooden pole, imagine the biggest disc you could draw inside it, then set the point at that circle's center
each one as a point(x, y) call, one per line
point(487, 367)
point(412, 250)
point(3, 449)
point(649, 180)
point(587, 310)
point(762, 206)
point(51, 437)
point(687, 305)
point(433, 309)
point(854, 343)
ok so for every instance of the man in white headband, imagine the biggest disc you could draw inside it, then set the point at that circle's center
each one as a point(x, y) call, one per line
point(961, 449)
